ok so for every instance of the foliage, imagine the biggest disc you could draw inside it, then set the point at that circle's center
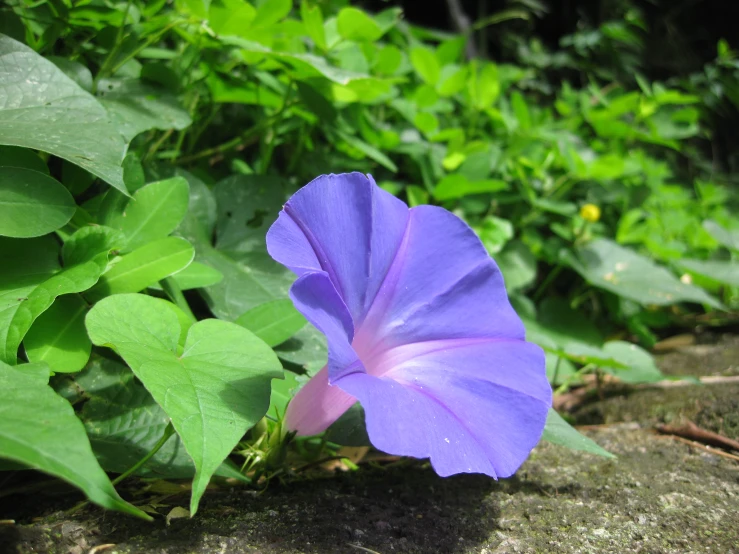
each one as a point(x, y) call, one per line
point(146, 147)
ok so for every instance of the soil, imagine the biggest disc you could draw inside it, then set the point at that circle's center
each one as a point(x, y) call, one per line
point(659, 496)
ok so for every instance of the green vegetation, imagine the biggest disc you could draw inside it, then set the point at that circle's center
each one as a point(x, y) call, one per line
point(146, 147)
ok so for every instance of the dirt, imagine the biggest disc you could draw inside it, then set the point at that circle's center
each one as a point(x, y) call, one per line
point(658, 496)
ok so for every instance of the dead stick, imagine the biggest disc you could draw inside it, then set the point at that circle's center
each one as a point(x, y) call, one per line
point(691, 431)
point(703, 447)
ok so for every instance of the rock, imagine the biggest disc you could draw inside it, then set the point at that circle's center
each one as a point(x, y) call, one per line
point(658, 496)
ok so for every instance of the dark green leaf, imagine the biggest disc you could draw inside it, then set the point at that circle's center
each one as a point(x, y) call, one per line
point(32, 203)
point(39, 429)
point(37, 102)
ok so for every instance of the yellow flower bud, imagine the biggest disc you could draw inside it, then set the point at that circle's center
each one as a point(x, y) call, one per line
point(590, 212)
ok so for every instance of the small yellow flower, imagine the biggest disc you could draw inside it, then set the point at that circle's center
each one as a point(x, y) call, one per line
point(590, 212)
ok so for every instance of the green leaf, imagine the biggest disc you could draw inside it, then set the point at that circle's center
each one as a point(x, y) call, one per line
point(494, 233)
point(214, 392)
point(304, 65)
point(15, 156)
point(518, 265)
point(727, 237)
point(521, 110)
point(457, 185)
point(307, 348)
point(37, 103)
point(143, 267)
point(124, 423)
point(270, 12)
point(282, 392)
point(197, 275)
point(274, 322)
point(39, 429)
point(369, 151)
point(354, 24)
point(136, 107)
point(484, 85)
point(153, 213)
point(558, 431)
point(609, 266)
point(35, 279)
point(426, 65)
point(723, 271)
point(313, 22)
point(32, 203)
point(58, 336)
point(640, 366)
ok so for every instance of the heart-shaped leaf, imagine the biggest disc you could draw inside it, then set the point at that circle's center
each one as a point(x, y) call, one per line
point(214, 392)
point(124, 423)
point(32, 203)
point(43, 109)
point(38, 428)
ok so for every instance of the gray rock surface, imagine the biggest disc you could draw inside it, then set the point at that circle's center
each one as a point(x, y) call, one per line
point(659, 495)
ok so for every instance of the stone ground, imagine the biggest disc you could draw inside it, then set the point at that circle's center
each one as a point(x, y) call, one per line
point(659, 495)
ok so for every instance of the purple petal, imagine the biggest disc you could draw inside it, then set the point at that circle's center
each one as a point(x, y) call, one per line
point(442, 285)
point(470, 406)
point(315, 297)
point(419, 328)
point(345, 226)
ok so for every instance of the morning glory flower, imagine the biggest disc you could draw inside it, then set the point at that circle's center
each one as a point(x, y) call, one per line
point(419, 329)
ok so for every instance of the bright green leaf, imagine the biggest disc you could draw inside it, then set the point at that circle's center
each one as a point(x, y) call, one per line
point(58, 336)
point(214, 392)
point(558, 431)
point(457, 185)
point(143, 267)
point(196, 276)
point(282, 392)
point(153, 213)
point(354, 24)
point(270, 12)
point(29, 286)
point(426, 65)
point(274, 322)
point(313, 22)
point(39, 429)
point(32, 203)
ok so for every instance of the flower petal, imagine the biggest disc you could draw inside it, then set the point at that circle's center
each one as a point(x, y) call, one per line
point(345, 226)
point(315, 297)
point(463, 424)
point(316, 406)
point(442, 285)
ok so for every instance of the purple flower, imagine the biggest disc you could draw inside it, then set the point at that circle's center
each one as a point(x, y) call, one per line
point(419, 329)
